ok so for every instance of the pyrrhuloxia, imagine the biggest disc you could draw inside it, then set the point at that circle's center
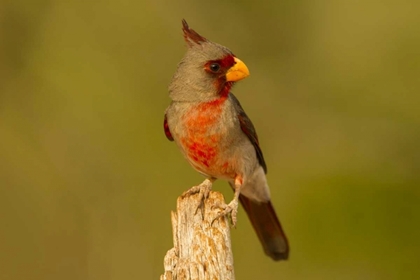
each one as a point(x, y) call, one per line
point(217, 138)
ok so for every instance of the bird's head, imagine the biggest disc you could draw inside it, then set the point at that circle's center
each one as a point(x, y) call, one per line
point(207, 71)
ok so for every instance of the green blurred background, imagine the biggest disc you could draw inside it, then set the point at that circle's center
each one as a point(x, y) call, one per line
point(88, 179)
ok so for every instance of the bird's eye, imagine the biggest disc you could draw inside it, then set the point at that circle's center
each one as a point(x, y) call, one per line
point(214, 67)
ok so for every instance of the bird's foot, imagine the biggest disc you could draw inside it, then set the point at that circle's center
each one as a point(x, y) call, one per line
point(231, 208)
point(203, 191)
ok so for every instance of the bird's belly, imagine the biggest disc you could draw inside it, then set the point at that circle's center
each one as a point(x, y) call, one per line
point(209, 155)
point(208, 148)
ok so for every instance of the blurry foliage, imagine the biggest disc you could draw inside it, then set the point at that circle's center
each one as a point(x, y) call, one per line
point(87, 177)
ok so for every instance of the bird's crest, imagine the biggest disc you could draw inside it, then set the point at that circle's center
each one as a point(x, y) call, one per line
point(190, 36)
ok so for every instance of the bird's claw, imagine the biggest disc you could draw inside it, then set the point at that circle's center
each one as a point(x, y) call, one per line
point(231, 208)
point(203, 191)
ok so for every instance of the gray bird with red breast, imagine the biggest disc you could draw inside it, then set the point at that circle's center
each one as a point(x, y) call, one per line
point(218, 139)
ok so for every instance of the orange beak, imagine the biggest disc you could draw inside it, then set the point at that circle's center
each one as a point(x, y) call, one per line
point(237, 72)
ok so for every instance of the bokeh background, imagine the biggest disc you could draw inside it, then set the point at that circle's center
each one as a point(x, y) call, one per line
point(88, 179)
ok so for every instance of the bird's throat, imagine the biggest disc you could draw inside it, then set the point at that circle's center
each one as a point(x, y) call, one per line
point(224, 88)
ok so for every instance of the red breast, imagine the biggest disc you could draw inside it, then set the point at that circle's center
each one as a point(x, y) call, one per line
point(201, 140)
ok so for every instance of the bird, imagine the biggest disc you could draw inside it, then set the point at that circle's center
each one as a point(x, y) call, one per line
point(218, 139)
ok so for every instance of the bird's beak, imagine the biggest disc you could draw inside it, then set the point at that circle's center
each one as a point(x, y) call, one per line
point(237, 72)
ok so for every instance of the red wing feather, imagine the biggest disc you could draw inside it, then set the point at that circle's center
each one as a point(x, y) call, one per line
point(166, 129)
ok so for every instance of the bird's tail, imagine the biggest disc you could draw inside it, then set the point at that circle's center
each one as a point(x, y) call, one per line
point(267, 226)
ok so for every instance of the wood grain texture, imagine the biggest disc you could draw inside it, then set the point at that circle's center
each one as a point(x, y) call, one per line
point(201, 250)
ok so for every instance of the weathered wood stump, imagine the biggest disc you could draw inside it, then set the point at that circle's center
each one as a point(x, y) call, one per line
point(202, 249)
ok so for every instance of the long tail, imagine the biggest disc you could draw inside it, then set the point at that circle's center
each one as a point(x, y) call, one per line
point(268, 228)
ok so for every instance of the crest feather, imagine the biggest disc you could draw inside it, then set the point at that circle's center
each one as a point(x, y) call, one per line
point(190, 36)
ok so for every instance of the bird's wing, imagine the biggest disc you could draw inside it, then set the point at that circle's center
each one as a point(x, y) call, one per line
point(166, 129)
point(248, 128)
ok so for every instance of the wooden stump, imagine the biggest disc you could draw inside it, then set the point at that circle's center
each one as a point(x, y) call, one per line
point(201, 250)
